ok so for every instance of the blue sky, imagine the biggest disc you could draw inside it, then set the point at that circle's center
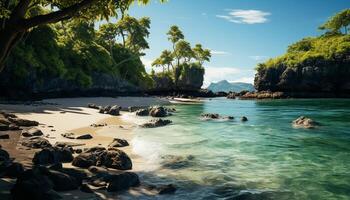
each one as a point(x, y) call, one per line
point(240, 33)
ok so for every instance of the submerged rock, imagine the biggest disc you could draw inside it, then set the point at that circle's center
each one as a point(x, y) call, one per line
point(156, 123)
point(167, 189)
point(177, 162)
point(244, 119)
point(305, 122)
point(210, 116)
point(122, 181)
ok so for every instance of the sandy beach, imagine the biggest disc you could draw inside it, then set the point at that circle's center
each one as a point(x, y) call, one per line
point(71, 115)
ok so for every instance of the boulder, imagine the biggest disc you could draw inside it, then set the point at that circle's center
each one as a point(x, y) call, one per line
point(116, 159)
point(167, 189)
point(95, 149)
point(53, 155)
point(32, 184)
point(4, 127)
point(118, 143)
point(114, 110)
point(32, 132)
point(229, 117)
point(305, 122)
point(84, 137)
point(23, 122)
point(36, 142)
point(156, 123)
point(13, 127)
point(84, 160)
point(4, 121)
point(158, 111)
point(13, 170)
point(62, 181)
point(142, 112)
point(4, 160)
point(122, 182)
point(85, 188)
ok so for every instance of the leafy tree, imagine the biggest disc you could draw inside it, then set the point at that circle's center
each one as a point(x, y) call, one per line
point(183, 51)
point(201, 54)
point(338, 22)
point(16, 17)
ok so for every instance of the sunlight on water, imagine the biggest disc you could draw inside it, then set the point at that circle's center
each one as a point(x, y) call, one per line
point(264, 158)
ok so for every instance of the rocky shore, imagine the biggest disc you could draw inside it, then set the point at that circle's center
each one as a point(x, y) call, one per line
point(42, 160)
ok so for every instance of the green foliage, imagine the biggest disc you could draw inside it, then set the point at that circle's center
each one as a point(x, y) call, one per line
point(339, 21)
point(312, 50)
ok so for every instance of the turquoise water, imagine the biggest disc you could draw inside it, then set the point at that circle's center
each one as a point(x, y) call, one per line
point(264, 158)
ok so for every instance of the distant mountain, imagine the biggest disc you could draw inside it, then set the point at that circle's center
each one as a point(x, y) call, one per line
point(225, 86)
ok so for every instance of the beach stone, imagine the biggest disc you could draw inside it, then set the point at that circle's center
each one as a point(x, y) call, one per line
point(142, 112)
point(13, 170)
point(210, 116)
point(14, 127)
point(116, 159)
point(78, 174)
point(62, 181)
point(84, 137)
point(167, 189)
point(7, 115)
point(36, 142)
point(93, 106)
point(84, 160)
point(53, 155)
point(95, 149)
point(229, 118)
point(68, 135)
point(78, 151)
point(305, 122)
point(23, 122)
point(32, 132)
point(4, 121)
point(123, 182)
point(67, 144)
point(158, 112)
point(156, 123)
point(4, 136)
point(134, 108)
point(32, 184)
point(114, 110)
point(85, 188)
point(4, 127)
point(118, 143)
point(244, 119)
point(4, 159)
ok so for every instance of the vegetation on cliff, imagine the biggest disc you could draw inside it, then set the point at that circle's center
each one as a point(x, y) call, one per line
point(182, 67)
point(317, 64)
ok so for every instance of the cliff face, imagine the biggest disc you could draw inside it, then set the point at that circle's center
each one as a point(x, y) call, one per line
point(313, 65)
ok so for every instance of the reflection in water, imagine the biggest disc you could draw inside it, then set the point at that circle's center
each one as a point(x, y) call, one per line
point(264, 158)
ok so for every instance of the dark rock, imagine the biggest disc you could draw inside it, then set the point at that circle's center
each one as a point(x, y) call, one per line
point(68, 135)
point(134, 108)
point(13, 170)
point(4, 121)
point(53, 155)
point(94, 149)
point(229, 118)
point(8, 115)
point(62, 181)
point(98, 125)
point(32, 132)
point(84, 137)
point(210, 116)
point(244, 119)
point(116, 159)
point(4, 127)
point(78, 151)
point(118, 143)
point(114, 110)
point(13, 127)
point(91, 105)
point(142, 112)
point(4, 136)
point(32, 184)
point(123, 182)
point(85, 188)
point(158, 111)
point(67, 144)
point(305, 122)
point(231, 95)
point(84, 160)
point(4, 160)
point(78, 174)
point(23, 122)
point(36, 142)
point(167, 189)
point(55, 166)
point(156, 123)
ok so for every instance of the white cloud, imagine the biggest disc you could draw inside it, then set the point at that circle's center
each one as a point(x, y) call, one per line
point(258, 58)
point(221, 53)
point(246, 16)
point(245, 80)
point(231, 74)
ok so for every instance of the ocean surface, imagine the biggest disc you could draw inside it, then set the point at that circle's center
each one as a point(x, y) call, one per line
point(263, 158)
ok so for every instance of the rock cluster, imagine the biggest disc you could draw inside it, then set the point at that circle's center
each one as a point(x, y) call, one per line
point(111, 110)
point(156, 123)
point(155, 111)
point(304, 122)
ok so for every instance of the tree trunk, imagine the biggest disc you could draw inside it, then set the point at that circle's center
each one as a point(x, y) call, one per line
point(8, 40)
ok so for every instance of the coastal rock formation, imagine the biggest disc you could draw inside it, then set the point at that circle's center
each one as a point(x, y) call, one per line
point(35, 142)
point(53, 155)
point(158, 111)
point(215, 116)
point(23, 122)
point(142, 112)
point(156, 123)
point(115, 159)
point(305, 122)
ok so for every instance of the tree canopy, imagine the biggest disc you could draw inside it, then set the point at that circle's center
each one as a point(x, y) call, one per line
point(338, 23)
